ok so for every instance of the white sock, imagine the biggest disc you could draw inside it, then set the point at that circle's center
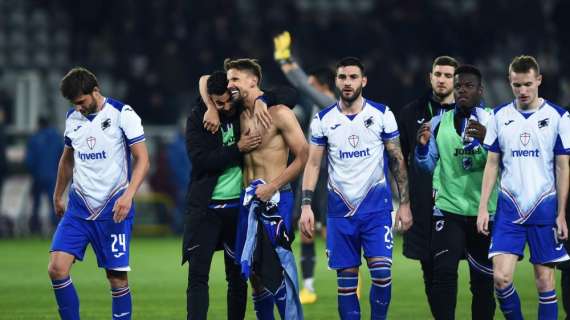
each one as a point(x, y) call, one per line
point(308, 284)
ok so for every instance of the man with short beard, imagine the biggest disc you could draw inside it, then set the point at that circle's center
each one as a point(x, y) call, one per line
point(438, 99)
point(268, 199)
point(356, 133)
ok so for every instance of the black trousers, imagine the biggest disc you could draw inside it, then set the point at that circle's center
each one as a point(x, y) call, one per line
point(217, 230)
point(455, 237)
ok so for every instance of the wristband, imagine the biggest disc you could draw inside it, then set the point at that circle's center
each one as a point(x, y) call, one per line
point(285, 61)
point(306, 197)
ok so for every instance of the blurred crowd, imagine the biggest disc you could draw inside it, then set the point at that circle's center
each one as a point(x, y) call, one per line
point(152, 52)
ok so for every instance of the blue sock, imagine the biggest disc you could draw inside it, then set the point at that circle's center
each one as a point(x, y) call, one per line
point(67, 299)
point(122, 305)
point(348, 306)
point(263, 305)
point(547, 305)
point(509, 302)
point(381, 288)
point(280, 298)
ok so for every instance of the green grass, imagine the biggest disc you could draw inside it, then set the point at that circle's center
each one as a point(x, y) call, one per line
point(158, 283)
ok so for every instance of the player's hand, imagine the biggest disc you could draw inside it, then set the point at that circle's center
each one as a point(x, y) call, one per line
point(476, 130)
point(59, 207)
point(261, 113)
point(404, 218)
point(265, 191)
point(307, 221)
point(122, 207)
point(561, 227)
point(483, 221)
point(424, 134)
point(211, 120)
point(248, 142)
point(282, 46)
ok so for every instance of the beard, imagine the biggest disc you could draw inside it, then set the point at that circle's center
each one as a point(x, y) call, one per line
point(350, 99)
point(90, 109)
point(442, 94)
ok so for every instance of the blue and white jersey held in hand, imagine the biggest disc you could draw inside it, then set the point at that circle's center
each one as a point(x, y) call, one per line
point(101, 147)
point(528, 144)
point(355, 151)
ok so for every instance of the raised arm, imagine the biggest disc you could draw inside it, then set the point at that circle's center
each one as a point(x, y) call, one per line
point(64, 173)
point(211, 119)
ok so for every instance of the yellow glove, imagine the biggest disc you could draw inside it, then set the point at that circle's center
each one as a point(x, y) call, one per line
point(282, 44)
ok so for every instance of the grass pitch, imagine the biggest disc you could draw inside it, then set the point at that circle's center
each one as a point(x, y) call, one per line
point(158, 284)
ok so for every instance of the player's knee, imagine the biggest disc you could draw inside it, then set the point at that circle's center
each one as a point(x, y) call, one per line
point(57, 271)
point(117, 279)
point(348, 270)
point(502, 279)
point(544, 281)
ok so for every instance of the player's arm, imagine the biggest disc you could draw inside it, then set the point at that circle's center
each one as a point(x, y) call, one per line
point(206, 157)
point(211, 119)
point(426, 154)
point(64, 174)
point(562, 181)
point(140, 169)
point(487, 187)
point(287, 124)
point(310, 178)
point(398, 168)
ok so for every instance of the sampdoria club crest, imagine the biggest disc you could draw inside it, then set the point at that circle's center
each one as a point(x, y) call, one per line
point(525, 138)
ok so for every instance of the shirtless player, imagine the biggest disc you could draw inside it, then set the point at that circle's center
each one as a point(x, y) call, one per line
point(269, 163)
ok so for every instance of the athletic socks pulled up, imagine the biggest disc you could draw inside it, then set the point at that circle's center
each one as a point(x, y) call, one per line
point(547, 305)
point(67, 299)
point(122, 304)
point(509, 302)
point(381, 288)
point(348, 306)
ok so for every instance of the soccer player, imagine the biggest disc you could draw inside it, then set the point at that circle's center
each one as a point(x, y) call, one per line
point(318, 90)
point(449, 147)
point(101, 134)
point(268, 163)
point(355, 132)
point(530, 137)
point(437, 99)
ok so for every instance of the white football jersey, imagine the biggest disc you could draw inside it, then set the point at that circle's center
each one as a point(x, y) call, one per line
point(101, 148)
point(355, 152)
point(528, 144)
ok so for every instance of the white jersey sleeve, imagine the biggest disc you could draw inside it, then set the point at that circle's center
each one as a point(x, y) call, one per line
point(390, 127)
point(317, 134)
point(131, 124)
point(562, 145)
point(491, 141)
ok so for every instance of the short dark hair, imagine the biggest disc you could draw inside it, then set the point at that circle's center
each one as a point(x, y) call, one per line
point(350, 61)
point(523, 64)
point(76, 82)
point(324, 76)
point(217, 83)
point(469, 69)
point(445, 61)
point(245, 64)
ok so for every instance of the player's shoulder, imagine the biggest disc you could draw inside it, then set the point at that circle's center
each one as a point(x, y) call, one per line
point(321, 114)
point(70, 113)
point(119, 105)
point(381, 107)
point(554, 107)
point(502, 108)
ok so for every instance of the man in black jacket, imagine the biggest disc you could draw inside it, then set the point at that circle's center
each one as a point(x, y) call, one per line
point(439, 98)
point(214, 200)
